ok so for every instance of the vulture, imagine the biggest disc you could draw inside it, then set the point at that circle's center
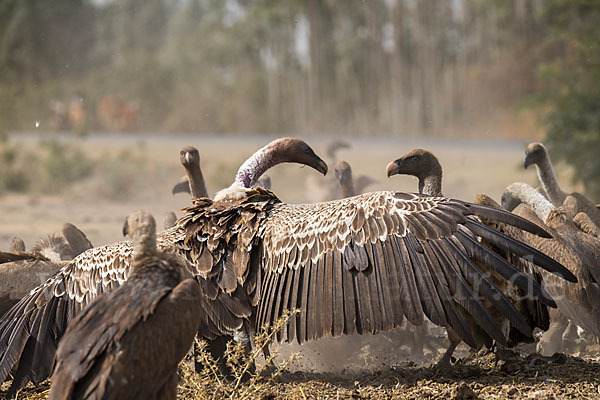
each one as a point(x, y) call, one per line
point(31, 329)
point(193, 182)
point(536, 153)
point(169, 220)
point(16, 244)
point(326, 188)
point(343, 173)
point(21, 271)
point(126, 344)
point(360, 264)
point(425, 166)
point(350, 187)
point(580, 252)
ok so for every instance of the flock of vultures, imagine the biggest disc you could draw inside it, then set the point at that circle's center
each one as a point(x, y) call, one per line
point(113, 322)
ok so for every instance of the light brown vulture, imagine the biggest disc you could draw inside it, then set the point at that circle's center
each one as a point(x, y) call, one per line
point(16, 244)
point(578, 251)
point(193, 182)
point(537, 154)
point(348, 185)
point(360, 264)
point(126, 344)
point(22, 271)
point(319, 188)
point(425, 166)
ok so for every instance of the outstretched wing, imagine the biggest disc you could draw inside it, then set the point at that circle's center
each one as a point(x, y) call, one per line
point(31, 329)
point(364, 263)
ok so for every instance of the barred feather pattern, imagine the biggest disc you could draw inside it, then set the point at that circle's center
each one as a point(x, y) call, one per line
point(360, 264)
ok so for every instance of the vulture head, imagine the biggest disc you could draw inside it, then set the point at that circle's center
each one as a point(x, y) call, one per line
point(296, 151)
point(279, 151)
point(189, 156)
point(534, 154)
point(17, 244)
point(343, 173)
point(509, 201)
point(418, 162)
point(141, 228)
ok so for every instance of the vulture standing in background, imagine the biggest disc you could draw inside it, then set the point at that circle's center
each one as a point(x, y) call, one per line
point(193, 182)
point(536, 153)
point(169, 220)
point(425, 166)
point(16, 244)
point(348, 185)
point(580, 252)
point(30, 330)
point(126, 344)
point(22, 271)
point(360, 264)
point(320, 188)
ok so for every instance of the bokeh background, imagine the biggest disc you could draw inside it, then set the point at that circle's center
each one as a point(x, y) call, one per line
point(98, 96)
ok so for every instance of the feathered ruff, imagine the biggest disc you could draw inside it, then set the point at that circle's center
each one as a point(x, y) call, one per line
point(359, 264)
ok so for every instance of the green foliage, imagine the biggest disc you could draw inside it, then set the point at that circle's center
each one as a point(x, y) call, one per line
point(571, 88)
point(15, 176)
point(57, 166)
point(60, 165)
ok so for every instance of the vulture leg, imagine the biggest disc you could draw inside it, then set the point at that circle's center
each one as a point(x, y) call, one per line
point(217, 348)
point(569, 338)
point(550, 342)
point(445, 361)
point(419, 335)
point(503, 353)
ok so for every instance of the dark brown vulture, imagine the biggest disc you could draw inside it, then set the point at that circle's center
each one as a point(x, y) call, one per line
point(360, 264)
point(425, 166)
point(580, 252)
point(193, 182)
point(126, 344)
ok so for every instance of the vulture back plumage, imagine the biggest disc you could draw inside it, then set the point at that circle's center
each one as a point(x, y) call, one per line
point(360, 264)
point(127, 344)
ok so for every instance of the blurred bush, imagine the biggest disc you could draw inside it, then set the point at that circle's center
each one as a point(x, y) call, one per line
point(54, 166)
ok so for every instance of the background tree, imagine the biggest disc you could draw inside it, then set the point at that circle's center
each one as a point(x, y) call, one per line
point(570, 94)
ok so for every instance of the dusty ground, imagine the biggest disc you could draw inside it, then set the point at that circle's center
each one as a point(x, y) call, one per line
point(524, 377)
point(366, 367)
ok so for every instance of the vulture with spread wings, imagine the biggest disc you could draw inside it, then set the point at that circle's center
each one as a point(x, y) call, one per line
point(360, 264)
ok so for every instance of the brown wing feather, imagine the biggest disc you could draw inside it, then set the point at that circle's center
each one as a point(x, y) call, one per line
point(399, 227)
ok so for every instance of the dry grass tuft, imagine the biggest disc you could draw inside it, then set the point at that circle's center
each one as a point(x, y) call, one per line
point(249, 378)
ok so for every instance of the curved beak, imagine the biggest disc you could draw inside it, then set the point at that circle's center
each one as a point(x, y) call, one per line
point(319, 165)
point(187, 157)
point(527, 161)
point(393, 167)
